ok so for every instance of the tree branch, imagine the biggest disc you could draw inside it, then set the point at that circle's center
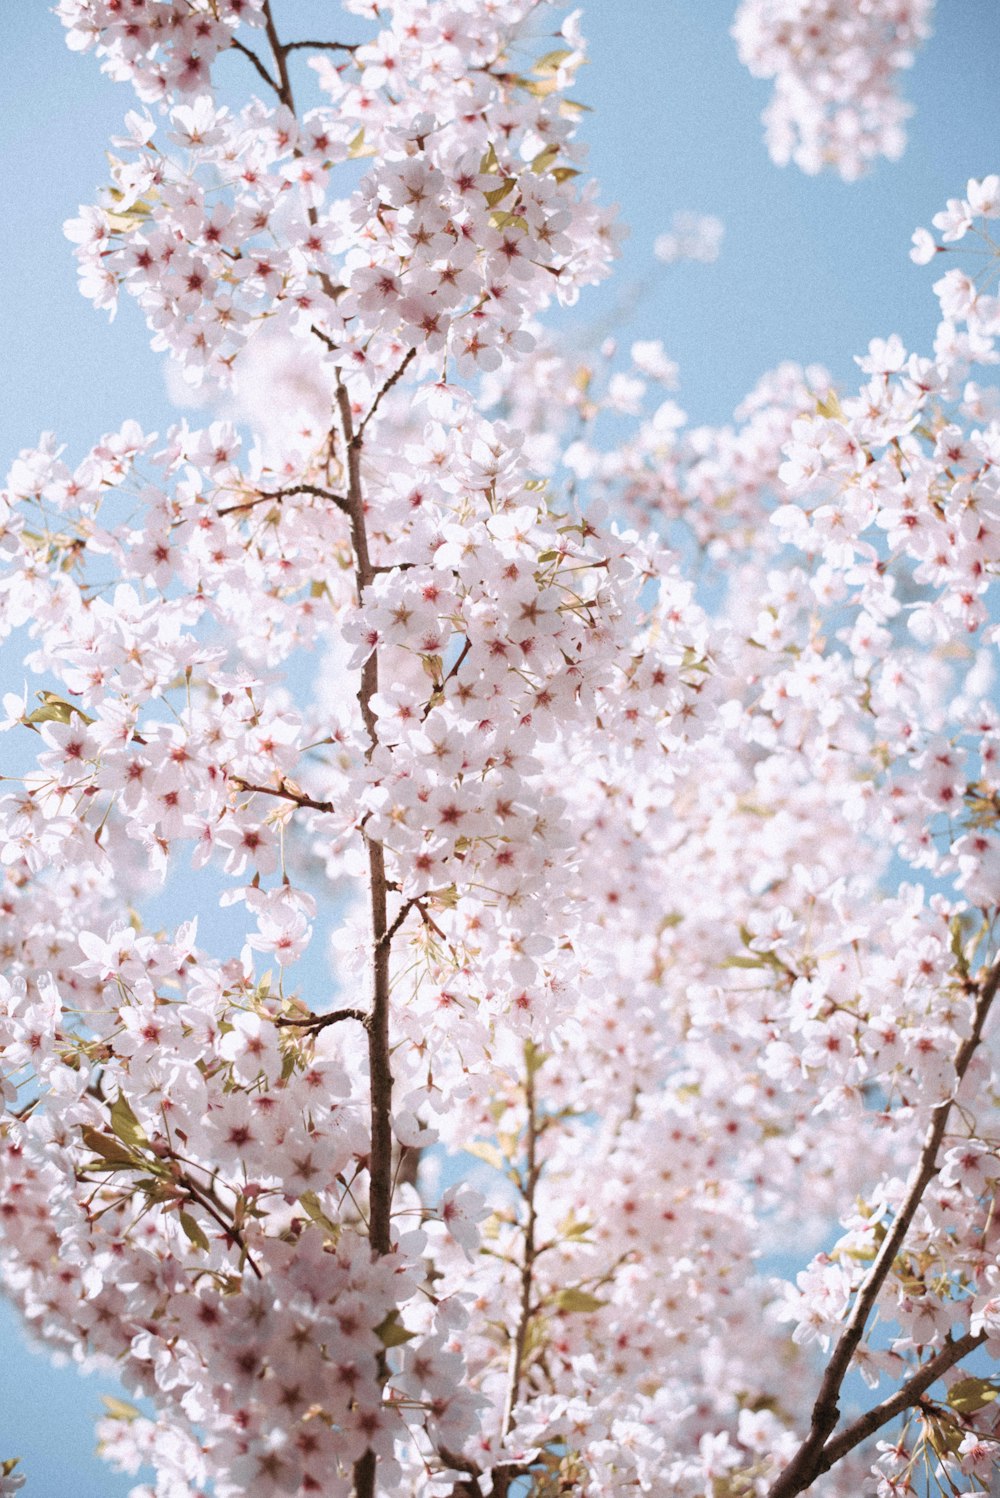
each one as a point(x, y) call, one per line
point(324, 46)
point(279, 51)
point(299, 798)
point(807, 1463)
point(379, 1059)
point(532, 1173)
point(316, 1022)
point(392, 380)
point(907, 1394)
point(262, 70)
point(277, 495)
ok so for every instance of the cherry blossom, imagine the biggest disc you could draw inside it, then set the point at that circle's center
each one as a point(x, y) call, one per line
point(586, 937)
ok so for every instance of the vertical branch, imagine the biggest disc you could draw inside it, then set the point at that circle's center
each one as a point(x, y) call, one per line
point(280, 54)
point(808, 1462)
point(378, 1027)
point(379, 1063)
point(532, 1173)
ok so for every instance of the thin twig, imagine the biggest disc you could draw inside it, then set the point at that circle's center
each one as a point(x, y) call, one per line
point(324, 338)
point(401, 917)
point(230, 1229)
point(428, 919)
point(453, 672)
point(298, 797)
point(392, 380)
point(262, 70)
point(324, 46)
point(277, 495)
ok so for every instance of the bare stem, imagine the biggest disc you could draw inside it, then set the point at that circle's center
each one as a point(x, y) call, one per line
point(808, 1462)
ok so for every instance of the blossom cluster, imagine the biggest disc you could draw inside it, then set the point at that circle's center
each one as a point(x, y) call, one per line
point(834, 67)
point(467, 223)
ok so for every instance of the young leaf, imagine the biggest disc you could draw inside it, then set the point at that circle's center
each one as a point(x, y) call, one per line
point(106, 1146)
point(487, 1152)
point(126, 1125)
point(391, 1333)
point(578, 1300)
point(971, 1394)
point(119, 1409)
point(309, 1202)
point(193, 1232)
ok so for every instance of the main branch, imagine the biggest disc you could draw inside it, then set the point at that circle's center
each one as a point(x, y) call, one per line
point(379, 1063)
point(532, 1171)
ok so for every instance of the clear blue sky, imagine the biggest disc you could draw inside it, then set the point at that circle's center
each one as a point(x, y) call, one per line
point(811, 270)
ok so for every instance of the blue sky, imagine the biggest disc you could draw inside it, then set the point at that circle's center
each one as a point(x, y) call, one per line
point(811, 269)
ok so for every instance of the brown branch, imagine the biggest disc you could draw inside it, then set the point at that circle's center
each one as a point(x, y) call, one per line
point(401, 917)
point(262, 70)
point(324, 338)
point(277, 495)
point(299, 798)
point(392, 380)
point(324, 46)
point(428, 919)
point(532, 1172)
point(807, 1463)
point(379, 1058)
point(906, 1395)
point(279, 50)
point(196, 1194)
point(316, 1022)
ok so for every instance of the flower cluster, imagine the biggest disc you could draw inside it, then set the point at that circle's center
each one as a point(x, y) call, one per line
point(835, 102)
point(468, 222)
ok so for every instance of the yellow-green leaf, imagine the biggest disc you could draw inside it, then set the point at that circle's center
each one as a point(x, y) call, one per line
point(578, 1300)
point(487, 1152)
point(119, 1409)
point(309, 1202)
point(193, 1232)
point(504, 220)
point(391, 1332)
point(126, 1125)
point(550, 62)
point(357, 147)
point(971, 1394)
point(497, 194)
point(545, 159)
point(829, 405)
point(106, 1146)
point(55, 710)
